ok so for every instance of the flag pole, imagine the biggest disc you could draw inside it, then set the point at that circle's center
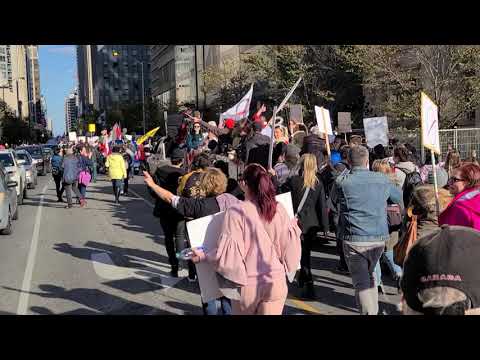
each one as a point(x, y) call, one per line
point(435, 184)
point(272, 139)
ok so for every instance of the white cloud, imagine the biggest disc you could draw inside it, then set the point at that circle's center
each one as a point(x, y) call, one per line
point(64, 50)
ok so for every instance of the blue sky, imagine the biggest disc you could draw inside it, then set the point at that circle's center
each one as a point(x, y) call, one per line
point(58, 77)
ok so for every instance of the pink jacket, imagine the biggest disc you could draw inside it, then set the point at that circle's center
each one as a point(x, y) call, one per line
point(463, 210)
point(246, 255)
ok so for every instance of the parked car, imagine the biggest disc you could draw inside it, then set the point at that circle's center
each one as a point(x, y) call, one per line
point(31, 174)
point(39, 158)
point(15, 172)
point(8, 203)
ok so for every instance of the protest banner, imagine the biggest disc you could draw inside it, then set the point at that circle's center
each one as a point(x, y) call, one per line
point(72, 136)
point(296, 113)
point(324, 124)
point(149, 134)
point(430, 136)
point(205, 232)
point(344, 122)
point(239, 111)
point(376, 131)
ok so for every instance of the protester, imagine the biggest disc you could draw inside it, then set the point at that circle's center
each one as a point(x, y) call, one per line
point(279, 156)
point(86, 169)
point(464, 209)
point(441, 274)
point(212, 199)
point(427, 168)
point(335, 156)
point(452, 161)
point(128, 166)
point(257, 147)
point(195, 137)
point(343, 164)
point(403, 166)
point(298, 131)
point(173, 225)
point(309, 203)
point(190, 182)
point(57, 172)
point(292, 156)
point(116, 171)
point(314, 144)
point(71, 170)
point(232, 185)
point(362, 196)
point(281, 134)
point(256, 257)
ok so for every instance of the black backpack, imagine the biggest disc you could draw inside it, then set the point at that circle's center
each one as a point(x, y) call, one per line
point(412, 180)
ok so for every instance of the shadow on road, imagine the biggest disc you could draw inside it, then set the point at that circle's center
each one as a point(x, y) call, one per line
point(95, 299)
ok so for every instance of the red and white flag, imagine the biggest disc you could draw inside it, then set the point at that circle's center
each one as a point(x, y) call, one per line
point(239, 111)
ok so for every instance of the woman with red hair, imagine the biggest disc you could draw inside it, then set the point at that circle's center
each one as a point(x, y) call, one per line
point(464, 209)
point(258, 246)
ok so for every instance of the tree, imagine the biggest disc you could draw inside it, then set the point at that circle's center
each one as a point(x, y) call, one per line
point(394, 75)
point(275, 69)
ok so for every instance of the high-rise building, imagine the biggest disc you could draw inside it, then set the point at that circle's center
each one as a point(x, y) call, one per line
point(13, 78)
point(50, 125)
point(86, 76)
point(117, 75)
point(177, 71)
point(71, 111)
point(33, 81)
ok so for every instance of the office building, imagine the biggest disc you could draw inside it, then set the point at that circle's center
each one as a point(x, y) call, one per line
point(13, 78)
point(33, 81)
point(86, 76)
point(177, 71)
point(71, 112)
point(117, 75)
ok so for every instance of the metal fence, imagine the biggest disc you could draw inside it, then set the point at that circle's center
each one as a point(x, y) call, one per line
point(465, 140)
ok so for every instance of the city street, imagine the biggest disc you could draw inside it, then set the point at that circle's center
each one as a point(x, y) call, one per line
point(110, 259)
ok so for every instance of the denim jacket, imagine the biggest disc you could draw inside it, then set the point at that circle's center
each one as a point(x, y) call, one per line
point(361, 196)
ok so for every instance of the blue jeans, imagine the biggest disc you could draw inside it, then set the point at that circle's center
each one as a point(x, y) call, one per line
point(219, 306)
point(395, 270)
point(83, 190)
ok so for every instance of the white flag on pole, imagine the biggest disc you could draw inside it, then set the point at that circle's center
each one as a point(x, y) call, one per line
point(240, 111)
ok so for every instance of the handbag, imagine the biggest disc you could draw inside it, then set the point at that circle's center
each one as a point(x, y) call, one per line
point(401, 249)
point(84, 177)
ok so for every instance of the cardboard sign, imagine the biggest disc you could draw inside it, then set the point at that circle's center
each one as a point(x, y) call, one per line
point(82, 139)
point(296, 113)
point(72, 136)
point(205, 232)
point(344, 122)
point(429, 116)
point(376, 131)
point(91, 128)
point(323, 120)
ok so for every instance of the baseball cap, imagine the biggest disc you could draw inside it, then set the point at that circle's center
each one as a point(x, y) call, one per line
point(177, 153)
point(230, 123)
point(443, 262)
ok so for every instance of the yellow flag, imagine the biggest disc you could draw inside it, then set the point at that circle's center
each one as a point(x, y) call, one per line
point(149, 134)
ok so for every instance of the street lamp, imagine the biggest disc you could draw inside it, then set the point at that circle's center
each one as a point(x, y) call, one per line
point(117, 54)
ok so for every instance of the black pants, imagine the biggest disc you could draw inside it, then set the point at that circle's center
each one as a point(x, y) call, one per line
point(117, 187)
point(305, 260)
point(58, 185)
point(174, 231)
point(125, 185)
point(340, 253)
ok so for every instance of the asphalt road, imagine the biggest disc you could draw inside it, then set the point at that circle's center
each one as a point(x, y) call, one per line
point(110, 259)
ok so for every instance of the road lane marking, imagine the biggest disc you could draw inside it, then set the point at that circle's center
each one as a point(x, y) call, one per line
point(27, 278)
point(304, 306)
point(141, 198)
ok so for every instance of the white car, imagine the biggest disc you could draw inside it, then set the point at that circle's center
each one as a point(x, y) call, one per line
point(15, 172)
point(31, 173)
point(8, 203)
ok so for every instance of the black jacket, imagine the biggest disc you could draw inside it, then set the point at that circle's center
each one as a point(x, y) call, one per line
point(167, 177)
point(313, 215)
point(256, 149)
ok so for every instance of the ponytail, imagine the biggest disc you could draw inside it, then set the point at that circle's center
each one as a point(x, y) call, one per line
point(260, 184)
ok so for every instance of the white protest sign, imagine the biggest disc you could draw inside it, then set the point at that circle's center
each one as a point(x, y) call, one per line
point(129, 137)
point(82, 139)
point(323, 120)
point(205, 232)
point(72, 136)
point(344, 122)
point(429, 116)
point(376, 131)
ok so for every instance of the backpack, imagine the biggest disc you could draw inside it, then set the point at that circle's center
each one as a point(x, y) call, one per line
point(412, 180)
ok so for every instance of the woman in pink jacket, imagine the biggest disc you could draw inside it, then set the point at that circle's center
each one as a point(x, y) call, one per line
point(258, 247)
point(464, 209)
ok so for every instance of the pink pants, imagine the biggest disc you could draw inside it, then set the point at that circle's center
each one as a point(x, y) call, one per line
point(261, 299)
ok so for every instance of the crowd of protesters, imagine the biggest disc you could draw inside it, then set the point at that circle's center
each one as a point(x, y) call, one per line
point(377, 201)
